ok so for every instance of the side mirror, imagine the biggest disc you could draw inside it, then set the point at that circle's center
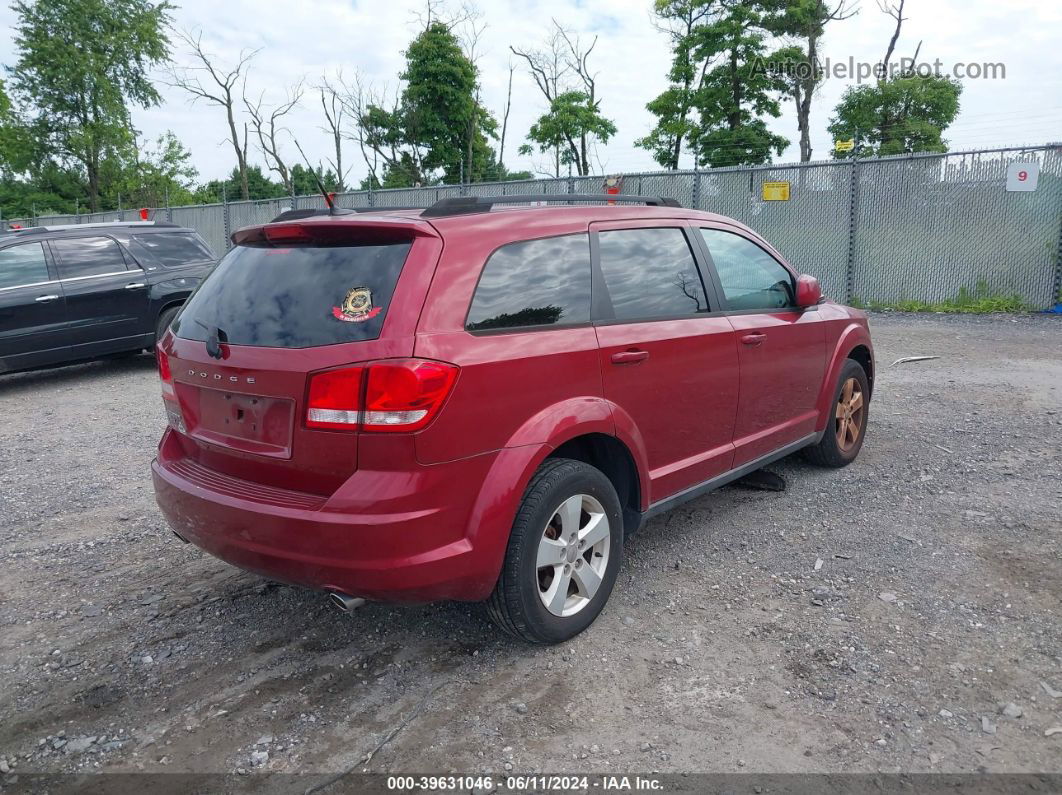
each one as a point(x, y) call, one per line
point(808, 291)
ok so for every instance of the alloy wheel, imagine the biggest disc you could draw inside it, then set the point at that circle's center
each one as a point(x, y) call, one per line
point(851, 410)
point(573, 555)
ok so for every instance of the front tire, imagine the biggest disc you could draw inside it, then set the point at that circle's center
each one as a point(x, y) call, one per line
point(563, 556)
point(847, 424)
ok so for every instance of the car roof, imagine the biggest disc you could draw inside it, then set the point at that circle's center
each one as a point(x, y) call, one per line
point(513, 221)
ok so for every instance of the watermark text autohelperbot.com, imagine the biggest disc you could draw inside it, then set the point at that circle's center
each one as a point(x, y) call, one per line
point(862, 71)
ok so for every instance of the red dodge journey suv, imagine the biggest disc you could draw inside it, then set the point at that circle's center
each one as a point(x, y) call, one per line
point(479, 402)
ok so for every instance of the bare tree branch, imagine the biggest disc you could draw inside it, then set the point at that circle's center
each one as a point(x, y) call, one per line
point(505, 116)
point(335, 113)
point(267, 128)
point(896, 12)
point(218, 90)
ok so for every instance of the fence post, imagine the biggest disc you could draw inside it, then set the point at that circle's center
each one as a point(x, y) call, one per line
point(696, 191)
point(853, 220)
point(1056, 296)
point(225, 216)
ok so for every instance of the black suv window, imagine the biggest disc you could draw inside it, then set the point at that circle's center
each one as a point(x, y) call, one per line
point(751, 278)
point(23, 264)
point(173, 249)
point(534, 283)
point(87, 256)
point(650, 273)
point(295, 297)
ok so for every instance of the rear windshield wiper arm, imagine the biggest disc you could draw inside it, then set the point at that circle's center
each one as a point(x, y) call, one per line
point(215, 336)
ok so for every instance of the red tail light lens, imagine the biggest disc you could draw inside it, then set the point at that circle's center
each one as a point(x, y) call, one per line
point(169, 393)
point(163, 362)
point(404, 394)
point(335, 399)
point(397, 395)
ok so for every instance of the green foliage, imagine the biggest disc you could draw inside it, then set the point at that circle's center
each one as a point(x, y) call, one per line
point(982, 300)
point(80, 64)
point(303, 181)
point(571, 117)
point(157, 177)
point(901, 115)
point(719, 92)
point(437, 127)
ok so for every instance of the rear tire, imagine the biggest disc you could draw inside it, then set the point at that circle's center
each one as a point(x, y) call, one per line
point(847, 425)
point(165, 319)
point(563, 556)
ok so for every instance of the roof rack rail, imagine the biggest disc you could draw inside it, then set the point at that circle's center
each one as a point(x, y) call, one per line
point(93, 225)
point(463, 205)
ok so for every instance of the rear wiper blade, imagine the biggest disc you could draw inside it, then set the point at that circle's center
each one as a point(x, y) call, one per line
point(215, 337)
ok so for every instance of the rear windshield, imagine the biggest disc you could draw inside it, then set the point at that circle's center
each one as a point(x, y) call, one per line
point(173, 249)
point(295, 297)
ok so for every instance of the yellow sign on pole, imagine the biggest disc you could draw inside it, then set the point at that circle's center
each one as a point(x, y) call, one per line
point(776, 191)
point(844, 146)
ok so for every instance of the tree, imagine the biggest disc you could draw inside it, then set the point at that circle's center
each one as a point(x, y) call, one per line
point(266, 129)
point(548, 67)
point(718, 98)
point(423, 135)
point(306, 184)
point(572, 120)
point(734, 96)
point(259, 186)
point(81, 63)
point(219, 90)
point(902, 113)
point(335, 113)
point(157, 177)
point(800, 67)
point(678, 19)
point(574, 110)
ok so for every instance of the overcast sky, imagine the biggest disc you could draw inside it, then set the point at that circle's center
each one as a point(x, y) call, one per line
point(368, 36)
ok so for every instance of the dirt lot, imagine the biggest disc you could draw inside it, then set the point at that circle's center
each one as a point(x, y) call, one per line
point(879, 618)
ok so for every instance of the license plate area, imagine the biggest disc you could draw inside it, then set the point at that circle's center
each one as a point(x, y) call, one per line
point(248, 423)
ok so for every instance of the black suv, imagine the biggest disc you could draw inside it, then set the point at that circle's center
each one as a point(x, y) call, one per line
point(76, 292)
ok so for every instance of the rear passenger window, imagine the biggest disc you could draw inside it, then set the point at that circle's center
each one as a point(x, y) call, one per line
point(651, 273)
point(173, 249)
point(23, 264)
point(534, 283)
point(88, 256)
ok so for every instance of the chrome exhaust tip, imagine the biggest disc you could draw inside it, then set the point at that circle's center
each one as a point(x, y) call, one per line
point(348, 604)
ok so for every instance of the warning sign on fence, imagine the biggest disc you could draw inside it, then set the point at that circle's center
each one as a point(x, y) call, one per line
point(776, 191)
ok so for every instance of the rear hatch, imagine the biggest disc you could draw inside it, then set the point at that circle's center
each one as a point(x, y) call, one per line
point(289, 301)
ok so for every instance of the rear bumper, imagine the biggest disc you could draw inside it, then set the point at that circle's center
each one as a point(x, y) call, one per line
point(390, 536)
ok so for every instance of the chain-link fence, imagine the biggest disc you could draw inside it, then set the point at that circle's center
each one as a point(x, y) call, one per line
point(920, 228)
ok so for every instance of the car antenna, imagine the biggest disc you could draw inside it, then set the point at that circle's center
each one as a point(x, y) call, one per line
point(332, 210)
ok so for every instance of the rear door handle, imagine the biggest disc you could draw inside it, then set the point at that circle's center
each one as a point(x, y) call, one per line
point(135, 285)
point(753, 339)
point(44, 299)
point(629, 357)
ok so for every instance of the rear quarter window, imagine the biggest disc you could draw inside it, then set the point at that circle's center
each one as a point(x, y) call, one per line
point(542, 282)
point(172, 249)
point(296, 297)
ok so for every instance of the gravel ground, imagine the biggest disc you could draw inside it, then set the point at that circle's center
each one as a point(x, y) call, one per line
point(900, 615)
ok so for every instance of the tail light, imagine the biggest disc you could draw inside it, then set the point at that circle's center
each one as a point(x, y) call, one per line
point(391, 395)
point(169, 394)
point(335, 399)
point(163, 362)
